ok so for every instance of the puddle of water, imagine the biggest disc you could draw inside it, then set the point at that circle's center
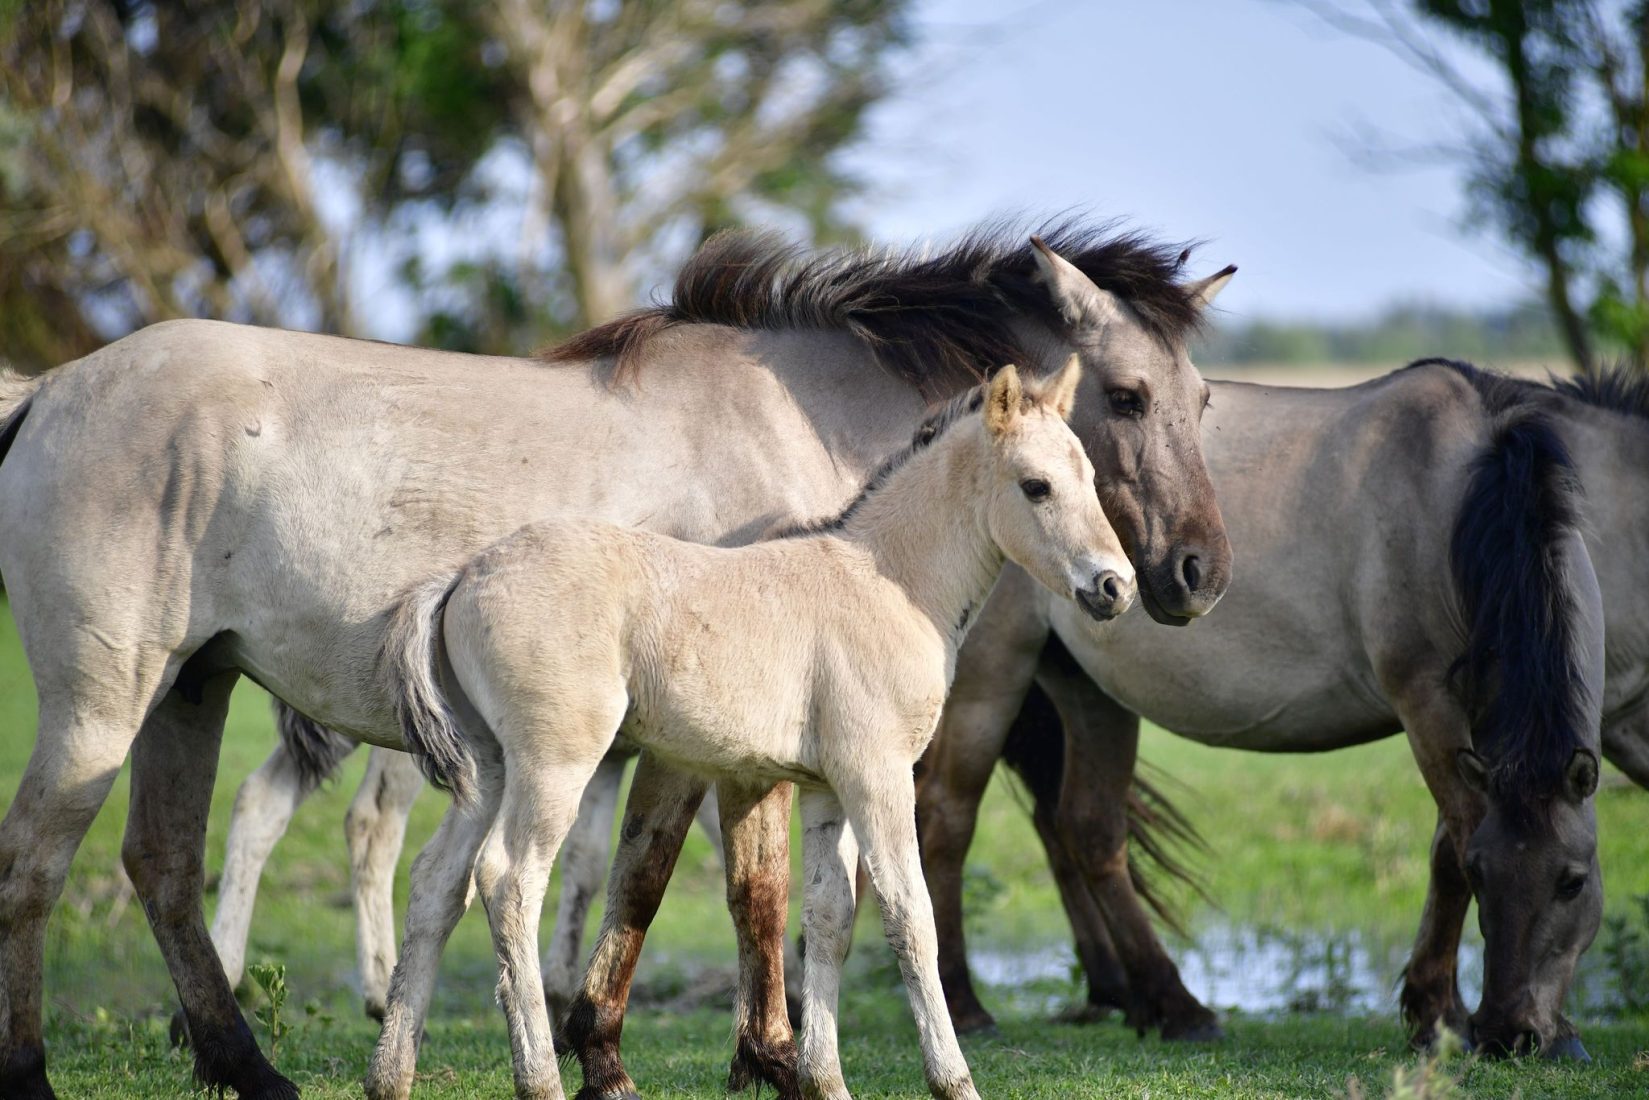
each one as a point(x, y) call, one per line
point(1266, 971)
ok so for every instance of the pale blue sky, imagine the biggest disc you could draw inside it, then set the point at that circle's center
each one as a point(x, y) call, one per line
point(1201, 118)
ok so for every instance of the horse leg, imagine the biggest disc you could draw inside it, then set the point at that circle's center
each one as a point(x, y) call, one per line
point(880, 800)
point(544, 783)
point(660, 811)
point(583, 864)
point(1101, 748)
point(442, 878)
point(86, 726)
point(174, 764)
point(1437, 730)
point(375, 828)
point(756, 831)
point(994, 670)
point(1035, 751)
point(1626, 743)
point(830, 861)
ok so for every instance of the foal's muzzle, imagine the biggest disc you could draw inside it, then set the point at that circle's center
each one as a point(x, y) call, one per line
point(1108, 596)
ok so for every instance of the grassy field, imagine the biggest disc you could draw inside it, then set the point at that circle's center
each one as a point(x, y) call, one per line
point(1313, 851)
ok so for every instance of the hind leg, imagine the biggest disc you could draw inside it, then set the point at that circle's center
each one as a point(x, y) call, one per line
point(174, 764)
point(442, 879)
point(375, 828)
point(583, 864)
point(656, 820)
point(756, 825)
point(830, 860)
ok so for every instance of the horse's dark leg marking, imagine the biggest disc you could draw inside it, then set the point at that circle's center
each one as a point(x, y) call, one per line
point(660, 811)
point(1101, 748)
point(174, 764)
point(755, 827)
point(1431, 985)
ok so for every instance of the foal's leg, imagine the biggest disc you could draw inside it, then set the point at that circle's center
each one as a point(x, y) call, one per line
point(994, 670)
point(375, 828)
point(830, 860)
point(1101, 749)
point(583, 863)
point(756, 825)
point(656, 820)
point(87, 723)
point(541, 795)
point(174, 764)
point(881, 804)
point(264, 806)
point(442, 878)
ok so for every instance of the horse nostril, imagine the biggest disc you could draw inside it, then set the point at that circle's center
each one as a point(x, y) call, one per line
point(1111, 585)
point(1191, 570)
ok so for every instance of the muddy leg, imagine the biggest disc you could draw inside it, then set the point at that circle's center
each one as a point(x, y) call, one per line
point(375, 828)
point(993, 672)
point(660, 811)
point(756, 831)
point(1101, 746)
point(583, 864)
point(174, 764)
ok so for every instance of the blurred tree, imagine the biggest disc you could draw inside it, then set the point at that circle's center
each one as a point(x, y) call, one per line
point(1561, 155)
point(233, 159)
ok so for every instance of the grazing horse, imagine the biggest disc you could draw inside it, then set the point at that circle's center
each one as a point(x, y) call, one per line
point(821, 657)
point(1420, 559)
point(201, 501)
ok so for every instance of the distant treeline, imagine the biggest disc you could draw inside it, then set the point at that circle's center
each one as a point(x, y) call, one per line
point(1401, 333)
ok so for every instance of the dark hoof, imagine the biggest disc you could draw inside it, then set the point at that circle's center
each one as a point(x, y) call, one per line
point(374, 1009)
point(1570, 1049)
point(975, 1023)
point(587, 1093)
point(1084, 1013)
point(178, 1030)
point(1210, 1032)
point(23, 1076)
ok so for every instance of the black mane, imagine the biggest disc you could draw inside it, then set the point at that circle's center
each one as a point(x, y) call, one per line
point(1621, 388)
point(934, 425)
point(936, 320)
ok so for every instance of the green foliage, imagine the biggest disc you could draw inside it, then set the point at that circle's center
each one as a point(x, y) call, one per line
point(1433, 1077)
point(1397, 335)
point(270, 978)
point(1626, 950)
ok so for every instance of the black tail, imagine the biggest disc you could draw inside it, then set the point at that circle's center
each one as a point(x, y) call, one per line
point(1522, 675)
point(315, 750)
point(1157, 830)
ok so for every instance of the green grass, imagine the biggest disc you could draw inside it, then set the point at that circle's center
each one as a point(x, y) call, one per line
point(1330, 845)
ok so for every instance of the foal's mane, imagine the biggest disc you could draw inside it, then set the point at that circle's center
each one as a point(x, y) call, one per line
point(934, 425)
point(936, 320)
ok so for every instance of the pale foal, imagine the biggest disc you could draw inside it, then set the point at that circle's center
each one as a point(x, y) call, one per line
point(821, 657)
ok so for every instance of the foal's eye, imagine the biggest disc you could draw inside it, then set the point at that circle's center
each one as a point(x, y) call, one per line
point(1126, 403)
point(1570, 886)
point(1035, 489)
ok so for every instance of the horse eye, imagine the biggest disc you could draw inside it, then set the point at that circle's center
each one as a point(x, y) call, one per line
point(1035, 489)
point(1570, 886)
point(1126, 403)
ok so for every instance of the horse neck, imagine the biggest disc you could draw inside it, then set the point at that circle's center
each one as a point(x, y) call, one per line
point(926, 530)
point(1611, 455)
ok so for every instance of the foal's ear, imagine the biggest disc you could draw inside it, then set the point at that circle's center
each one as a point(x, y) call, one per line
point(1059, 391)
point(1003, 399)
point(1204, 291)
point(1079, 301)
point(1580, 779)
point(1473, 772)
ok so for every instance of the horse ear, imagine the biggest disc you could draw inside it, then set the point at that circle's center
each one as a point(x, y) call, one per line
point(1473, 772)
point(1580, 780)
point(1003, 399)
point(1059, 392)
point(1204, 291)
point(1078, 300)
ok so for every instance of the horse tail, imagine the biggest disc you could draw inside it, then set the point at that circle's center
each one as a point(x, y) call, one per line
point(1522, 676)
point(315, 750)
point(17, 392)
point(412, 668)
point(1157, 829)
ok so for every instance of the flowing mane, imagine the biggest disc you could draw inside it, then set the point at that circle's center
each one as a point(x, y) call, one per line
point(1620, 388)
point(936, 320)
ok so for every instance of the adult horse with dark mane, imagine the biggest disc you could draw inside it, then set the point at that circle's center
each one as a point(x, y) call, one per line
point(202, 501)
point(1419, 555)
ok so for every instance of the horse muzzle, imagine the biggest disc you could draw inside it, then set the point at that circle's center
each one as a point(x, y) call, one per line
point(1108, 596)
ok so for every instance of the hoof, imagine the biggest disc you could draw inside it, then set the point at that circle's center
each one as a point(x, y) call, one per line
point(1083, 1013)
point(374, 1009)
point(23, 1076)
point(757, 1064)
point(587, 1093)
point(1209, 1032)
point(1570, 1050)
point(975, 1023)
